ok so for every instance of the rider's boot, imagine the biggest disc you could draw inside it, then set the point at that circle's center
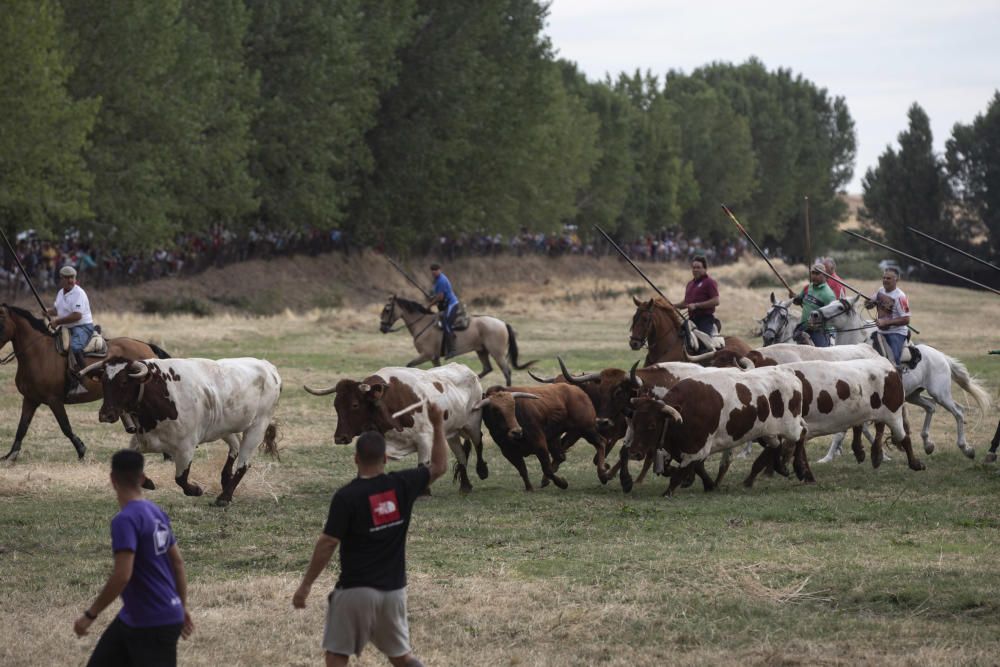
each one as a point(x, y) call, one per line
point(449, 345)
point(74, 383)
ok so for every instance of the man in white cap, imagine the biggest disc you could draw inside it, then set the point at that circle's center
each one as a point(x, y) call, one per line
point(72, 311)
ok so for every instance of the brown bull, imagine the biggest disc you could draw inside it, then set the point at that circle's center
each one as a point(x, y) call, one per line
point(41, 372)
point(530, 420)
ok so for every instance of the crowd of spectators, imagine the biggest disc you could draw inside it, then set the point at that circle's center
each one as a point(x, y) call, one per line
point(102, 266)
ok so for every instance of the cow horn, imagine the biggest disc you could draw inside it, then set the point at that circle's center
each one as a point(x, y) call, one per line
point(480, 404)
point(93, 367)
point(319, 392)
point(633, 378)
point(745, 364)
point(523, 394)
point(695, 358)
point(138, 374)
point(364, 387)
point(672, 413)
point(635, 300)
point(542, 380)
point(578, 380)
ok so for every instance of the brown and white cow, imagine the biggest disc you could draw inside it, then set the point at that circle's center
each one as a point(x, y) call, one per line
point(177, 404)
point(527, 421)
point(369, 405)
point(717, 411)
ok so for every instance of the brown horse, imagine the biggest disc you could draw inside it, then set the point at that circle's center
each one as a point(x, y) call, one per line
point(659, 325)
point(41, 371)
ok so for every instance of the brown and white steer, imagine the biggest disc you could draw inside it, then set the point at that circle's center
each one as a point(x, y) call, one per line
point(714, 412)
point(369, 405)
point(177, 404)
point(842, 395)
point(530, 420)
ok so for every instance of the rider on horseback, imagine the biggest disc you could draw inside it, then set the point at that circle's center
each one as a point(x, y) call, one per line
point(812, 297)
point(701, 296)
point(893, 313)
point(447, 302)
point(72, 310)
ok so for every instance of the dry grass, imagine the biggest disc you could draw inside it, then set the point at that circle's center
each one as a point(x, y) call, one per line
point(885, 568)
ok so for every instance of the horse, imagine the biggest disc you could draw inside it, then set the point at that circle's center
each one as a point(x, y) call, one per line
point(659, 325)
point(41, 372)
point(933, 373)
point(486, 336)
point(777, 325)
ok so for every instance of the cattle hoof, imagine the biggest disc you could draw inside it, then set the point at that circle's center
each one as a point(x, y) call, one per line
point(928, 447)
point(194, 490)
point(825, 459)
point(222, 502)
point(148, 484)
point(970, 452)
point(876, 459)
point(465, 489)
point(709, 488)
point(748, 483)
point(627, 486)
point(482, 470)
point(990, 458)
point(529, 489)
point(917, 465)
point(560, 482)
point(809, 479)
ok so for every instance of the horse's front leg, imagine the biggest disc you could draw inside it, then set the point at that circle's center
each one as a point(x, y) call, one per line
point(60, 414)
point(27, 414)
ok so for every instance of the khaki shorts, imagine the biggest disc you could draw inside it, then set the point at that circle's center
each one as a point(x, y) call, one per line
point(360, 615)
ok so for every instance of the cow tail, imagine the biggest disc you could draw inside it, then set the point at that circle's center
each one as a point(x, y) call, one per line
point(159, 351)
point(270, 443)
point(512, 350)
point(960, 374)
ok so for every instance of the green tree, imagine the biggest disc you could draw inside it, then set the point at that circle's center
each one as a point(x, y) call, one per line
point(322, 67)
point(44, 182)
point(909, 187)
point(126, 55)
point(973, 159)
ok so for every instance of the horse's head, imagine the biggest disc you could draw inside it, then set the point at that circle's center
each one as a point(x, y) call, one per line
point(775, 321)
point(649, 314)
point(6, 326)
point(389, 315)
point(821, 317)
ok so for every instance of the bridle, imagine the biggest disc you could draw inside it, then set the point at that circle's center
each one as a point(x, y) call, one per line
point(643, 340)
point(387, 320)
point(846, 308)
point(782, 316)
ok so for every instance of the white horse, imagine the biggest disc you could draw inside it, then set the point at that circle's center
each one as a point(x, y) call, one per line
point(933, 373)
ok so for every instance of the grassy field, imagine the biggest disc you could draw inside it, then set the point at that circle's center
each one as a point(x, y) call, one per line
point(871, 567)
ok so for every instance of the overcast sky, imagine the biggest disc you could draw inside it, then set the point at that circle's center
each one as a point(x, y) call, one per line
point(880, 55)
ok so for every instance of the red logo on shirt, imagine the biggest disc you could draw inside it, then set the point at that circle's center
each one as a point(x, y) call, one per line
point(385, 507)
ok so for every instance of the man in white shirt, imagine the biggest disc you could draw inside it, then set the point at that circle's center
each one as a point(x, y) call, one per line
point(72, 310)
point(893, 312)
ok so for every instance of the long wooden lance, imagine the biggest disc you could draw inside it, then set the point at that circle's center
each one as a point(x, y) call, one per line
point(922, 261)
point(17, 260)
point(629, 260)
point(856, 291)
point(406, 275)
point(757, 248)
point(951, 247)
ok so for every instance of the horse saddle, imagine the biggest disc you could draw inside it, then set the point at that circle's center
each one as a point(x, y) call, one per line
point(460, 319)
point(909, 357)
point(97, 346)
point(699, 342)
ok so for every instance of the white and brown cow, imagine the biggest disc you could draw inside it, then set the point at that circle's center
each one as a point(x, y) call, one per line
point(177, 404)
point(841, 395)
point(369, 405)
point(717, 411)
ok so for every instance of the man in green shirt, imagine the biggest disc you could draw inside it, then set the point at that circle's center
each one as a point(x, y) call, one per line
point(813, 296)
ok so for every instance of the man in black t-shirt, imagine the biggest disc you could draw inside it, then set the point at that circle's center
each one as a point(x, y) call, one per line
point(369, 518)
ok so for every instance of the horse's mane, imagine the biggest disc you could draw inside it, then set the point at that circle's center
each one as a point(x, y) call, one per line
point(35, 323)
point(413, 306)
point(663, 304)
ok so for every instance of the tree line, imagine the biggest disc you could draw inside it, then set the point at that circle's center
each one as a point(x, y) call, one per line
point(394, 122)
point(954, 196)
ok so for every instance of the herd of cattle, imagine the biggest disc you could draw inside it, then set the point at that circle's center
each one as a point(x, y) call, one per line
point(673, 415)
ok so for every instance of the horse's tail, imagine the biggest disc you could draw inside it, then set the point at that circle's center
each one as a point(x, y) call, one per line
point(159, 351)
point(270, 443)
point(960, 374)
point(512, 350)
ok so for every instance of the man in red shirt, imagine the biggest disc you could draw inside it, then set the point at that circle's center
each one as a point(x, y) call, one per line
point(830, 266)
point(701, 296)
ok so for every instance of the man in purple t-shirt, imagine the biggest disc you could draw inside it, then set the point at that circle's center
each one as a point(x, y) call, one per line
point(148, 574)
point(701, 296)
point(369, 519)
